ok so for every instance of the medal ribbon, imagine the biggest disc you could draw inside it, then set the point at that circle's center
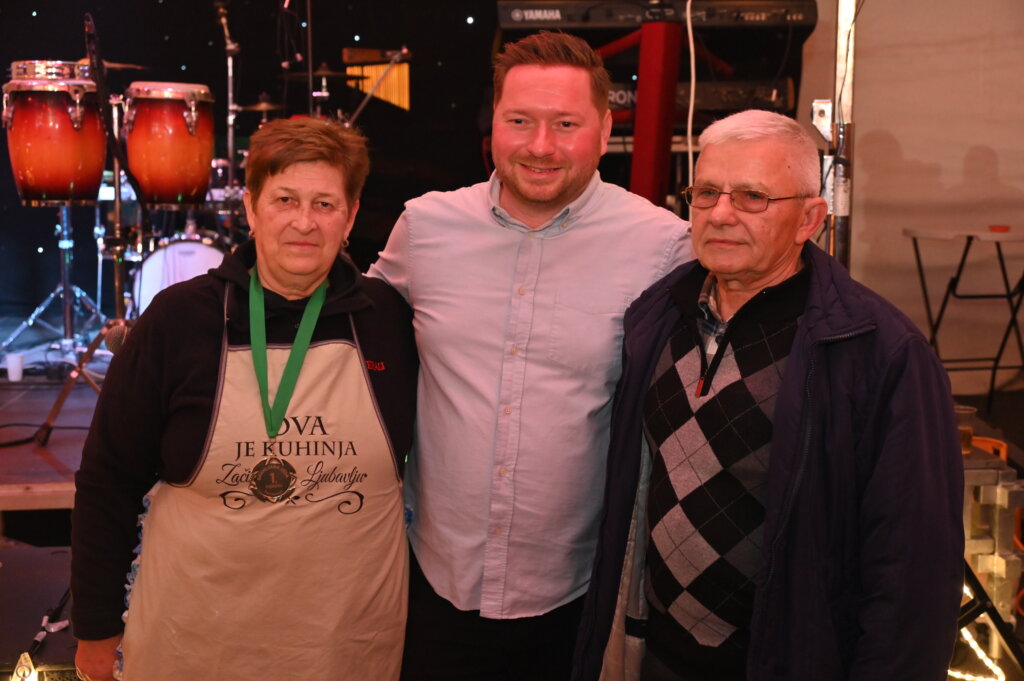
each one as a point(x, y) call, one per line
point(274, 416)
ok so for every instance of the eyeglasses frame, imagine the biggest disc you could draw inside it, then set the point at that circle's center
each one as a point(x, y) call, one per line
point(687, 195)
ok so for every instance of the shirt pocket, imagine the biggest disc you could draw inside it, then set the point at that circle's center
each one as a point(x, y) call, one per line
point(586, 331)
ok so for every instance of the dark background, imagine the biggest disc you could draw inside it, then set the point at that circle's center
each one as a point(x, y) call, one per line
point(438, 144)
point(435, 145)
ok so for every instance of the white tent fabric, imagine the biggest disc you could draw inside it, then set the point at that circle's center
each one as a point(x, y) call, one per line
point(938, 144)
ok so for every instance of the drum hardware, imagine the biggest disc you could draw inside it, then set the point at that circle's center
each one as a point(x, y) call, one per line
point(117, 66)
point(224, 196)
point(320, 97)
point(113, 330)
point(73, 299)
point(99, 231)
point(231, 48)
point(324, 72)
point(191, 94)
point(309, 53)
point(264, 106)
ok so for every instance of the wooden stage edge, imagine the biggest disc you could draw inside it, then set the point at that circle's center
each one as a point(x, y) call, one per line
point(38, 496)
point(36, 477)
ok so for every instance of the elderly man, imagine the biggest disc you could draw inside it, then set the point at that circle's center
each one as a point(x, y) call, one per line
point(785, 486)
point(518, 287)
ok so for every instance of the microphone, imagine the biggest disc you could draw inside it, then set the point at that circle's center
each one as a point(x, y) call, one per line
point(116, 337)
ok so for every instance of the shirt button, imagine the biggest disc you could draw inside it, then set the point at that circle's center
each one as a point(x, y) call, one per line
point(497, 531)
point(515, 350)
point(508, 410)
point(522, 291)
point(502, 472)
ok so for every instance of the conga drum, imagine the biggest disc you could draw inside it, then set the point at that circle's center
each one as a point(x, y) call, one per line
point(55, 136)
point(169, 133)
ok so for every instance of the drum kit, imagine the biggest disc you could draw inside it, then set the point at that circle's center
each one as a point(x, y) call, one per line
point(58, 125)
point(57, 146)
point(60, 120)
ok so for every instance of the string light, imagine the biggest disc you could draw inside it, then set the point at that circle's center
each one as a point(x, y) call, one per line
point(24, 670)
point(998, 674)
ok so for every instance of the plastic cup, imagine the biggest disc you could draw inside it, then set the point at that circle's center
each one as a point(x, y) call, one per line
point(965, 426)
point(15, 366)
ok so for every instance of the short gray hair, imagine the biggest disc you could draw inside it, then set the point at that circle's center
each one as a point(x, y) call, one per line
point(756, 125)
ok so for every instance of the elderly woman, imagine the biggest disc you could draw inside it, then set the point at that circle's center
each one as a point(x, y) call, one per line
point(258, 417)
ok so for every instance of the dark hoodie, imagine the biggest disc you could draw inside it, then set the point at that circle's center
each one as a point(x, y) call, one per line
point(154, 413)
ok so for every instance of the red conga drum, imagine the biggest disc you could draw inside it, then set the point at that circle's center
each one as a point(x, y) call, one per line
point(55, 136)
point(169, 132)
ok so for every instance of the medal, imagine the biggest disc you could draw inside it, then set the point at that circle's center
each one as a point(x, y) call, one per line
point(274, 479)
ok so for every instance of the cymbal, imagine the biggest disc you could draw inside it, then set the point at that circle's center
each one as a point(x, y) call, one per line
point(116, 65)
point(324, 73)
point(262, 106)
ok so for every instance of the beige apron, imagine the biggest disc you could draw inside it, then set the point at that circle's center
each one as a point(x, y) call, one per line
point(280, 559)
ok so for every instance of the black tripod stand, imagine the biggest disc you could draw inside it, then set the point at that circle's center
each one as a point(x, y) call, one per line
point(72, 298)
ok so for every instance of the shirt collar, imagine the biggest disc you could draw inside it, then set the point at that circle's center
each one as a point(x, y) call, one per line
point(561, 222)
point(695, 294)
point(707, 299)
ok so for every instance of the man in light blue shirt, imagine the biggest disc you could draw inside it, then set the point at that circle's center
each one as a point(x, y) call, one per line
point(519, 286)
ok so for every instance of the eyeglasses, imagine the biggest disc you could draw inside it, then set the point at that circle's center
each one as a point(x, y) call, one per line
point(746, 200)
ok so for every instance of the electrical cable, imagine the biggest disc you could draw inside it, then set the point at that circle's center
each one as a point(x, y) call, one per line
point(693, 92)
point(839, 97)
point(31, 438)
point(48, 626)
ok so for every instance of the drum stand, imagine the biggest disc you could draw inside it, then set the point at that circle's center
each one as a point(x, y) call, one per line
point(72, 297)
point(114, 330)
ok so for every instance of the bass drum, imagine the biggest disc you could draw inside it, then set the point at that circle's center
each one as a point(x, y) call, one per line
point(173, 261)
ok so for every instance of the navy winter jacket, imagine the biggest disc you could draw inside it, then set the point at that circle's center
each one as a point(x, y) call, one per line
point(863, 532)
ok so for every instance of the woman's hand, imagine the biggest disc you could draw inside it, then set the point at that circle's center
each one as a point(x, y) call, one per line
point(95, 660)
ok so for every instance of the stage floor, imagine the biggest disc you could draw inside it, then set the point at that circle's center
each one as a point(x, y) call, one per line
point(40, 475)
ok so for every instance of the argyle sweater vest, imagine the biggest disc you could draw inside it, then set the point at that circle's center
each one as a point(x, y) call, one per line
point(708, 421)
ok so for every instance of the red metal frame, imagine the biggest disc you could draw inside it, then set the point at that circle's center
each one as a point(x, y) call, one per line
point(657, 74)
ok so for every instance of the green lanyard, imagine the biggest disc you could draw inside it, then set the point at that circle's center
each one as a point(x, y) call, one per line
point(274, 416)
